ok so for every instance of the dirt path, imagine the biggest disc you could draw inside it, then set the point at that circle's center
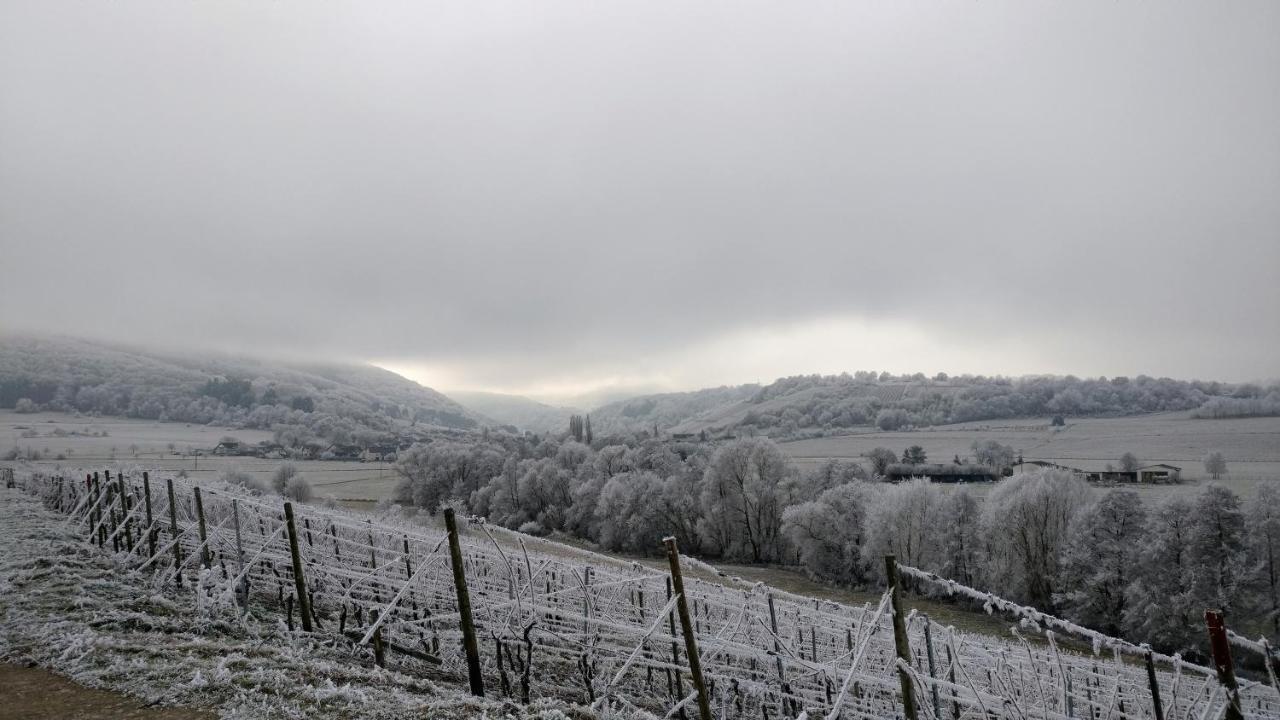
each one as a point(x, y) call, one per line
point(37, 694)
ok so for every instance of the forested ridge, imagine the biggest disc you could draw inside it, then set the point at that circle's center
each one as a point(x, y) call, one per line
point(339, 404)
point(816, 404)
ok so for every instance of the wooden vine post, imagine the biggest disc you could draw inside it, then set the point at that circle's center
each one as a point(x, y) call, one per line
point(173, 528)
point(1154, 685)
point(677, 687)
point(900, 636)
point(124, 511)
point(299, 582)
point(151, 533)
point(933, 672)
point(242, 587)
point(686, 629)
point(1221, 650)
point(204, 539)
point(469, 644)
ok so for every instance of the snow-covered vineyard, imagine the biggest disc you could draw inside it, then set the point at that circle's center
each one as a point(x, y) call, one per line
point(547, 627)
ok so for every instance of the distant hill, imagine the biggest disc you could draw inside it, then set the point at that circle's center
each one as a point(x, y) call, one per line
point(336, 404)
point(517, 410)
point(698, 409)
point(812, 404)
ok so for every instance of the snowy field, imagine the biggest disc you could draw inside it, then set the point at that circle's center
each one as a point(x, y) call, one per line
point(92, 443)
point(67, 606)
point(1251, 445)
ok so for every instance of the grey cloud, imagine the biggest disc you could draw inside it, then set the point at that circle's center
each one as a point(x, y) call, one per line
point(527, 186)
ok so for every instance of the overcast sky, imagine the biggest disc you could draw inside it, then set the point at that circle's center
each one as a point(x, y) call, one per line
point(554, 197)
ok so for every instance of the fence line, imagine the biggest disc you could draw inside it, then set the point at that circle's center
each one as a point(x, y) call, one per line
point(608, 634)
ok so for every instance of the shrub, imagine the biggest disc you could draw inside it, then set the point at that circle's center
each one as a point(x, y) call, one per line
point(283, 474)
point(244, 480)
point(533, 527)
point(297, 489)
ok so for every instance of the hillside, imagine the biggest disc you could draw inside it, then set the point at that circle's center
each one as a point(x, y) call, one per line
point(811, 404)
point(336, 404)
point(517, 410)
point(667, 410)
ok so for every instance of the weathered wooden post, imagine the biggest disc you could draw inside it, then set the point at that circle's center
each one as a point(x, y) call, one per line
point(124, 511)
point(299, 582)
point(933, 672)
point(204, 539)
point(951, 678)
point(151, 533)
point(469, 644)
point(1221, 650)
point(1269, 662)
point(242, 587)
point(173, 528)
point(1155, 686)
point(777, 653)
point(686, 629)
point(677, 690)
point(900, 636)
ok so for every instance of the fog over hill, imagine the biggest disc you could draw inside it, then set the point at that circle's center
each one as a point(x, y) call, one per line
point(343, 404)
point(517, 410)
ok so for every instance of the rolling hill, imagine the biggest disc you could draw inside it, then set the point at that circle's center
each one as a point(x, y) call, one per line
point(814, 404)
point(343, 404)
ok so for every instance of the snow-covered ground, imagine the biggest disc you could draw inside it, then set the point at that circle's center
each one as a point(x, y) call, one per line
point(66, 606)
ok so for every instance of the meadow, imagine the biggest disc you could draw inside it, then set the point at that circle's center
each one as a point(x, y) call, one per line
point(1251, 445)
point(168, 447)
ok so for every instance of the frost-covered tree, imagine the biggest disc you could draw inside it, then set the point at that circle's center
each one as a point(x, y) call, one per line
point(991, 452)
point(544, 493)
point(679, 507)
point(881, 458)
point(906, 520)
point(962, 541)
point(435, 472)
point(743, 496)
point(630, 520)
point(828, 532)
point(1099, 560)
point(1162, 609)
point(280, 478)
point(914, 455)
point(1218, 561)
point(1215, 463)
point(1027, 522)
point(297, 489)
point(1264, 552)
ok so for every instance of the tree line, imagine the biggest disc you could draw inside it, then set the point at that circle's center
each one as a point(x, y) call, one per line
point(1047, 539)
point(804, 405)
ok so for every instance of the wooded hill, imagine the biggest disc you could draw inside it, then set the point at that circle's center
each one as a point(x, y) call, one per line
point(812, 404)
point(341, 404)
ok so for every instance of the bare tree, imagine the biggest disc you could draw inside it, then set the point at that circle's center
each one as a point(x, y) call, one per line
point(881, 458)
point(1215, 463)
point(1129, 462)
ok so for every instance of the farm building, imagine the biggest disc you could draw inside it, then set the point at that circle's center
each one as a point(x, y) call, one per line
point(1038, 465)
point(1152, 474)
point(948, 473)
point(1155, 473)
